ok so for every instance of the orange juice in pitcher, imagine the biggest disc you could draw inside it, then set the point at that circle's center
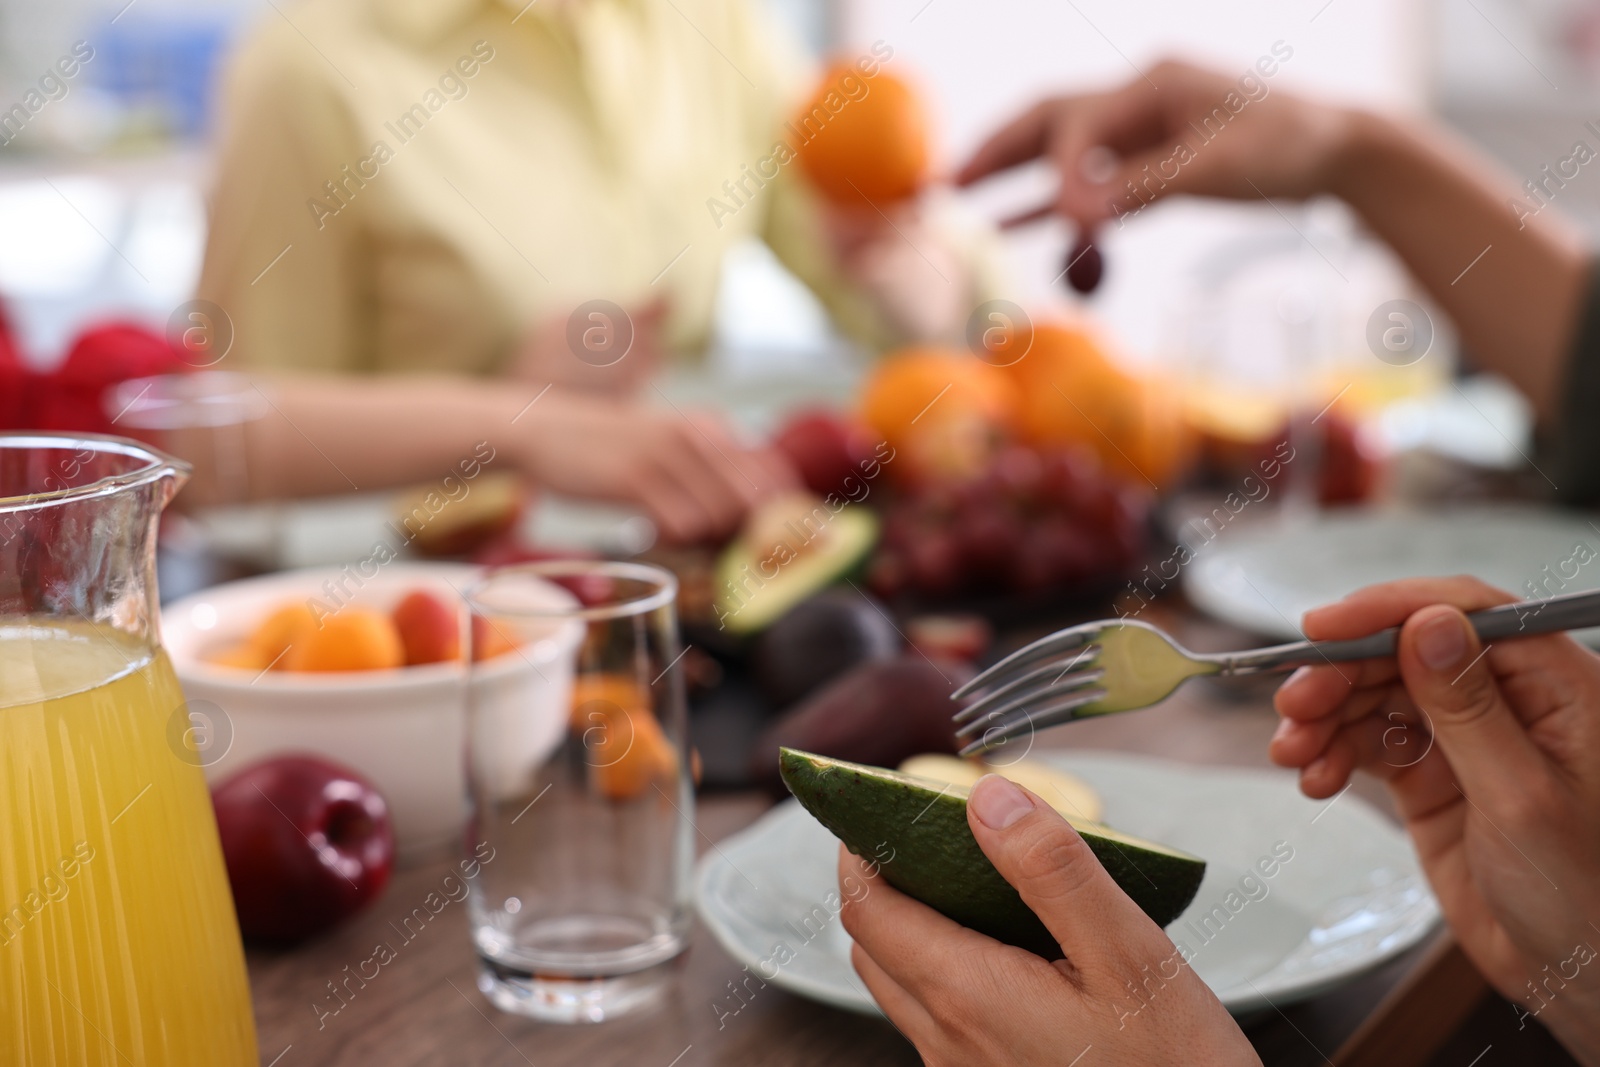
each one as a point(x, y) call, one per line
point(118, 942)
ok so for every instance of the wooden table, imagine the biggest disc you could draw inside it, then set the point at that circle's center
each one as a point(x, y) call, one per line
point(424, 1007)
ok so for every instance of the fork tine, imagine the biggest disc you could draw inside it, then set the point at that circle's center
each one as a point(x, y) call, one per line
point(1043, 700)
point(1027, 720)
point(1060, 641)
point(1051, 678)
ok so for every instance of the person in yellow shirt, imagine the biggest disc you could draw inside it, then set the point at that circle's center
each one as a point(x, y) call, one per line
point(440, 221)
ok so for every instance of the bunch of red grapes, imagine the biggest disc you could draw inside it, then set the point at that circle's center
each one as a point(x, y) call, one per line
point(1029, 523)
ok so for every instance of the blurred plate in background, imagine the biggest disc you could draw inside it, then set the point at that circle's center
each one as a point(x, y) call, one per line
point(1264, 577)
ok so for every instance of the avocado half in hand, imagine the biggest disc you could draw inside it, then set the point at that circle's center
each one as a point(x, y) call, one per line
point(793, 547)
point(936, 860)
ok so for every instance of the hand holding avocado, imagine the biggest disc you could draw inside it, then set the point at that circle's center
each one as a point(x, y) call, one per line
point(964, 998)
point(1493, 758)
point(917, 828)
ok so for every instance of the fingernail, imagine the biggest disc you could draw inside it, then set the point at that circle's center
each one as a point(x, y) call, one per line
point(1315, 767)
point(1283, 730)
point(997, 802)
point(1442, 642)
point(1098, 165)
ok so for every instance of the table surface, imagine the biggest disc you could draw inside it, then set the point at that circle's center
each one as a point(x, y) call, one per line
point(424, 1007)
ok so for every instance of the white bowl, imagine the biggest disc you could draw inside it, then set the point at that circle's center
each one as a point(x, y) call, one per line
point(403, 729)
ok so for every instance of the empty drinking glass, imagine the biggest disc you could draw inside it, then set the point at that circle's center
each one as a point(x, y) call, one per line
point(580, 782)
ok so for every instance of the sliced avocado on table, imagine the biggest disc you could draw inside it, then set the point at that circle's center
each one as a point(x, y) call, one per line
point(757, 585)
point(936, 860)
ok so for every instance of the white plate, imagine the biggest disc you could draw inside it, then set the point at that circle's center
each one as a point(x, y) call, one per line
point(1263, 578)
point(1350, 896)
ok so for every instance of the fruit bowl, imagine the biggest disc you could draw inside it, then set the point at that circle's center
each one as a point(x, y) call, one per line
point(403, 728)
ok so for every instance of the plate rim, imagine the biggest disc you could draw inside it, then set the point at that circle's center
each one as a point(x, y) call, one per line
point(714, 860)
point(1204, 594)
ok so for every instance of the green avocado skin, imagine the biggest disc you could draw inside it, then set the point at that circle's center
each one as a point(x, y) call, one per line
point(749, 599)
point(928, 852)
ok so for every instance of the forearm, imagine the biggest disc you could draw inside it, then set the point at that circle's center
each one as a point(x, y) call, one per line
point(1513, 286)
point(342, 434)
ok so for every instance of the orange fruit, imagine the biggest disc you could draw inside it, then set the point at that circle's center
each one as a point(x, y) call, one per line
point(351, 639)
point(946, 411)
point(1051, 348)
point(491, 638)
point(287, 628)
point(613, 690)
point(856, 144)
point(243, 656)
point(1073, 392)
point(626, 749)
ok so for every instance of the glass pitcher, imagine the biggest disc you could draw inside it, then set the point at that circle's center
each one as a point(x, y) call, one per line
point(118, 942)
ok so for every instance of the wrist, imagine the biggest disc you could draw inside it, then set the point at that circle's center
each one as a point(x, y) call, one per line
point(529, 432)
point(1360, 145)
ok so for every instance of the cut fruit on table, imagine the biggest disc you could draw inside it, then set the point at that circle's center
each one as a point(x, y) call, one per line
point(792, 547)
point(459, 516)
point(1074, 798)
point(625, 748)
point(422, 628)
point(936, 860)
point(354, 639)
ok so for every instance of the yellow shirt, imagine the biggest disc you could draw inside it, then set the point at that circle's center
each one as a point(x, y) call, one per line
point(410, 185)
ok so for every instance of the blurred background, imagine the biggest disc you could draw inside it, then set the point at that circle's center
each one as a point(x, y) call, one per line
point(121, 161)
point(128, 143)
point(103, 193)
point(132, 131)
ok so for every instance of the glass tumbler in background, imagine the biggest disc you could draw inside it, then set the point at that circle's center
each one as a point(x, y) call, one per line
point(201, 417)
point(582, 798)
point(204, 418)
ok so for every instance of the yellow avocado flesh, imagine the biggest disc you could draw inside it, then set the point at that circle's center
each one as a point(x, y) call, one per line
point(1074, 798)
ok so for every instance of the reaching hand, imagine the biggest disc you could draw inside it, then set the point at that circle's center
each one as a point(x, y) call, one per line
point(1179, 129)
point(963, 998)
point(1493, 757)
point(687, 470)
point(907, 260)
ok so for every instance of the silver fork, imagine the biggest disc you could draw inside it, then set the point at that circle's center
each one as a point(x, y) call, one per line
point(1122, 664)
